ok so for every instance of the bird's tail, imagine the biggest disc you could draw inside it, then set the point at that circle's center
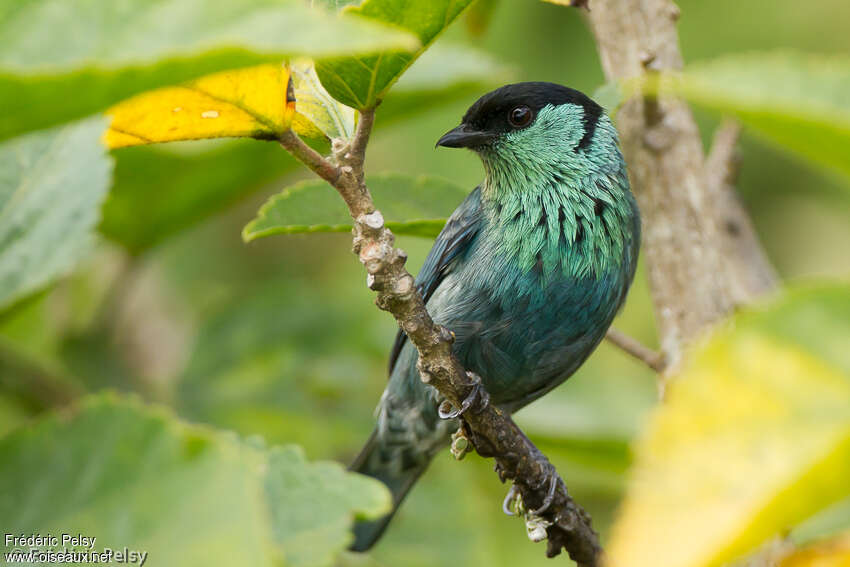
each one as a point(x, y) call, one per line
point(397, 475)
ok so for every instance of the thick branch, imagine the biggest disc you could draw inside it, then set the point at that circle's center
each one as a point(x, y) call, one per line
point(492, 432)
point(690, 281)
point(748, 269)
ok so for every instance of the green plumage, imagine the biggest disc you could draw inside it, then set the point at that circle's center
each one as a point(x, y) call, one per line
point(563, 208)
point(528, 272)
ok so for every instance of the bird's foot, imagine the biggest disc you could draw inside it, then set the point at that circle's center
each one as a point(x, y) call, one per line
point(551, 476)
point(477, 400)
point(512, 504)
point(535, 525)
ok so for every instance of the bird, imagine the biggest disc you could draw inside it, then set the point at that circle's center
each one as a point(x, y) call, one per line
point(527, 273)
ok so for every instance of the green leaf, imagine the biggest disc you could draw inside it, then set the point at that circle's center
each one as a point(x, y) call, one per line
point(417, 206)
point(51, 187)
point(753, 439)
point(42, 37)
point(444, 74)
point(324, 494)
point(798, 101)
point(299, 378)
point(110, 471)
point(361, 82)
point(814, 317)
point(72, 58)
point(159, 191)
point(113, 466)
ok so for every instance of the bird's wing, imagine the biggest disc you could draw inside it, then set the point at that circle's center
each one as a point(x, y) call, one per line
point(452, 241)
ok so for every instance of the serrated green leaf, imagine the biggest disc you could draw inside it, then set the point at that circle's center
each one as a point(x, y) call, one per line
point(112, 468)
point(416, 206)
point(109, 470)
point(52, 184)
point(753, 439)
point(327, 498)
point(63, 60)
point(361, 82)
point(798, 101)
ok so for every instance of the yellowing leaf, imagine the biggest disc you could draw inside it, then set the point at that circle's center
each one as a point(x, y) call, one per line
point(754, 438)
point(831, 553)
point(251, 102)
point(317, 113)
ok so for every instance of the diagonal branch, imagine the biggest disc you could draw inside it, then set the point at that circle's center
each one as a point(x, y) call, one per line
point(492, 432)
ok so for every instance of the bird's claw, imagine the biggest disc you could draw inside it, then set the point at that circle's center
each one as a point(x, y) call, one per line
point(478, 396)
point(552, 477)
point(510, 499)
point(535, 525)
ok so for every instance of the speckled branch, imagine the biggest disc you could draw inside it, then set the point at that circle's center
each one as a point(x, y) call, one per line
point(691, 282)
point(492, 432)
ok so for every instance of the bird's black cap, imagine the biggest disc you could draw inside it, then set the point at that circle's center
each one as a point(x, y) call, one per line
point(488, 117)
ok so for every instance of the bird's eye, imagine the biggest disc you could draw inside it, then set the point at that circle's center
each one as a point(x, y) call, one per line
point(520, 116)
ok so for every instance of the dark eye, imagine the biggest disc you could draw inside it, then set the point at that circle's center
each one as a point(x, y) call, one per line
point(520, 116)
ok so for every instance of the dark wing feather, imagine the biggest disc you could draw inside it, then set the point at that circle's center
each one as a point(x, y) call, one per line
point(451, 243)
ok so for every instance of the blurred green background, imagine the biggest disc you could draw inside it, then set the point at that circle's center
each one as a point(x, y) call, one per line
point(279, 338)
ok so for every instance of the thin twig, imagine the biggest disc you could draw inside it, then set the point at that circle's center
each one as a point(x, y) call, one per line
point(721, 165)
point(491, 431)
point(652, 358)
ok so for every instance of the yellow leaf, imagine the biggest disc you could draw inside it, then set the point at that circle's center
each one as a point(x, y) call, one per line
point(255, 102)
point(832, 553)
point(754, 438)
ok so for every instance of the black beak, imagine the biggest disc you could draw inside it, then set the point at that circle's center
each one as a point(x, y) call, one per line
point(464, 137)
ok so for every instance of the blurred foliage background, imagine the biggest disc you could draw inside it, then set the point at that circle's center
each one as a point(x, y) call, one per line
point(279, 338)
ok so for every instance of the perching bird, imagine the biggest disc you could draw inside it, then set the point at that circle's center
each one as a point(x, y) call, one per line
point(528, 272)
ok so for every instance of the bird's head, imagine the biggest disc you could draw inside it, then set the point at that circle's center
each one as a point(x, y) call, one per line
point(534, 126)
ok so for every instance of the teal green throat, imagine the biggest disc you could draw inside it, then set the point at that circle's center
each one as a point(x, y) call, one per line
point(528, 272)
point(556, 207)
